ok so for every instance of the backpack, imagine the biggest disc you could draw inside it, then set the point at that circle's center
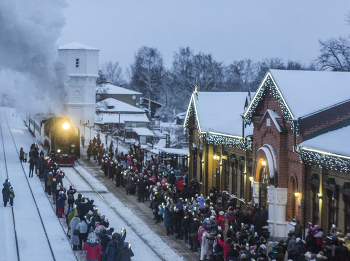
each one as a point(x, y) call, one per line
point(70, 197)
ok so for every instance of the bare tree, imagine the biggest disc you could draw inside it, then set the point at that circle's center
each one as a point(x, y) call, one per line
point(335, 54)
point(113, 73)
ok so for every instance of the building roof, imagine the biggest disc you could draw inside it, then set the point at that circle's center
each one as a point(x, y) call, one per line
point(143, 131)
point(118, 106)
point(112, 89)
point(76, 46)
point(103, 118)
point(307, 92)
point(336, 142)
point(219, 112)
point(175, 151)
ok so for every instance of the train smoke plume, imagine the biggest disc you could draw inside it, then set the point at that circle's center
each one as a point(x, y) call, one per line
point(30, 76)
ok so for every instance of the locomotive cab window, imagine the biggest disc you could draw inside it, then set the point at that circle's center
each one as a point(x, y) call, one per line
point(77, 62)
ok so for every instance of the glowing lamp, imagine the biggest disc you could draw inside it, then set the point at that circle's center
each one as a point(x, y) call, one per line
point(297, 194)
point(251, 178)
point(65, 126)
point(319, 196)
point(263, 163)
point(58, 151)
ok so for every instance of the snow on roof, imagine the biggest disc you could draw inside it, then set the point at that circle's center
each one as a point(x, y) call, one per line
point(220, 111)
point(143, 131)
point(119, 106)
point(103, 118)
point(146, 99)
point(307, 92)
point(175, 151)
point(336, 141)
point(76, 46)
point(112, 89)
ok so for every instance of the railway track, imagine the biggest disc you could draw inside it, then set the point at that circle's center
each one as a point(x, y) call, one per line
point(99, 193)
point(36, 205)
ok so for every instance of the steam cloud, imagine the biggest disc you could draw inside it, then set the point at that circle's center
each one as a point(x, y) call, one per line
point(30, 76)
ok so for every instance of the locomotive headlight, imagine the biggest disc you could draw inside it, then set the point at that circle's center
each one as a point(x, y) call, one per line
point(58, 151)
point(65, 126)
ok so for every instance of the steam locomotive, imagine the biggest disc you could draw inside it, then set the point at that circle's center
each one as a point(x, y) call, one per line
point(58, 136)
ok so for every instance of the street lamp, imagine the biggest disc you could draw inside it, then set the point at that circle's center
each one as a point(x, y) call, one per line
point(85, 125)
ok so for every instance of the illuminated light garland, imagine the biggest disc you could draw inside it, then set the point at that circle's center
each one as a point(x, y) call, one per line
point(328, 161)
point(215, 139)
point(270, 85)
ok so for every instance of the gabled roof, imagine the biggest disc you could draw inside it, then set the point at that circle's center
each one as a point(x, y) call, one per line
point(273, 115)
point(302, 93)
point(76, 46)
point(118, 106)
point(112, 89)
point(218, 112)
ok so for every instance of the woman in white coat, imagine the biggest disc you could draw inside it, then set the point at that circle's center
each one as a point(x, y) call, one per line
point(74, 240)
point(206, 246)
point(83, 233)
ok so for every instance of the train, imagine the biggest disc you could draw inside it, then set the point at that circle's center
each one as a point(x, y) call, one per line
point(57, 135)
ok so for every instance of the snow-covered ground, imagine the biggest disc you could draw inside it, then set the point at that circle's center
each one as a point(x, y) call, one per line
point(146, 245)
point(32, 241)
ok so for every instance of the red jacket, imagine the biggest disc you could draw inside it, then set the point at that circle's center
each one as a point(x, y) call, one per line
point(221, 222)
point(225, 246)
point(93, 252)
point(179, 184)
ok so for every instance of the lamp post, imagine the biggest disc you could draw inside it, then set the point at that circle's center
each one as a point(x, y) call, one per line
point(85, 125)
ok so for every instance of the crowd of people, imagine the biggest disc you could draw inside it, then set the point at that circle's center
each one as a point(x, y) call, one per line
point(88, 230)
point(218, 226)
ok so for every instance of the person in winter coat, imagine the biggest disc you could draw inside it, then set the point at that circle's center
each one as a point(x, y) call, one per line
point(74, 239)
point(61, 200)
point(70, 195)
point(83, 233)
point(298, 230)
point(21, 155)
point(105, 239)
point(225, 245)
point(291, 248)
point(92, 248)
point(299, 249)
point(280, 255)
point(11, 196)
point(5, 195)
point(113, 247)
point(49, 182)
point(221, 220)
point(168, 221)
point(31, 167)
point(206, 248)
point(319, 239)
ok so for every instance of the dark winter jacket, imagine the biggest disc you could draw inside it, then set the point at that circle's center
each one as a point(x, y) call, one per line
point(5, 194)
point(168, 219)
point(280, 255)
point(105, 239)
point(299, 249)
point(61, 199)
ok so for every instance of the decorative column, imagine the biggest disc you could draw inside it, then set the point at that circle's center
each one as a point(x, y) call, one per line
point(256, 191)
point(271, 191)
point(280, 217)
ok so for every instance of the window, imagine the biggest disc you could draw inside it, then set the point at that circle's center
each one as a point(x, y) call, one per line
point(268, 122)
point(77, 62)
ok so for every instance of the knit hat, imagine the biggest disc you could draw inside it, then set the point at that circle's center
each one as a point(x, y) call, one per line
point(104, 231)
point(297, 240)
point(60, 192)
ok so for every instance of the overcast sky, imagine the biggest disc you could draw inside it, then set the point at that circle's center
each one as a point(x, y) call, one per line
point(229, 30)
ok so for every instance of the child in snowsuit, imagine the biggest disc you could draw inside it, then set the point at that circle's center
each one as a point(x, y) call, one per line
point(11, 196)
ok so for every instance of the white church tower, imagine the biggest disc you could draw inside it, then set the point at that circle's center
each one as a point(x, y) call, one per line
point(82, 67)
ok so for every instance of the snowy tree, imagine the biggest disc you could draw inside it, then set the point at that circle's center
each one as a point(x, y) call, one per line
point(239, 75)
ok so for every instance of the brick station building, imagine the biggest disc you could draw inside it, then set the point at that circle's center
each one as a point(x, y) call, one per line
point(301, 148)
